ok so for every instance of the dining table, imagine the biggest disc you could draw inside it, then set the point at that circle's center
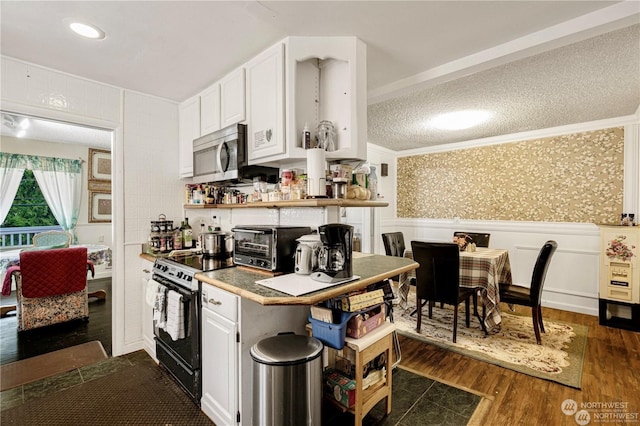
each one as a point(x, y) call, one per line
point(485, 269)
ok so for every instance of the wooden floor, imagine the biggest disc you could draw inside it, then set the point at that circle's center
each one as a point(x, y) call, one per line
point(15, 346)
point(611, 374)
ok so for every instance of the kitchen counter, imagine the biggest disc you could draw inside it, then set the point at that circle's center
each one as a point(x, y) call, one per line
point(241, 281)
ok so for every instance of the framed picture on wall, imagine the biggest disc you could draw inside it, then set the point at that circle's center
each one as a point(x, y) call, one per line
point(99, 207)
point(99, 165)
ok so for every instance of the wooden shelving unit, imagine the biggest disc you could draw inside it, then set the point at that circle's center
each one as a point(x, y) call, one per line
point(315, 202)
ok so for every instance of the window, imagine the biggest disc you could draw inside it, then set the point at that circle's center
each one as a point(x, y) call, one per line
point(29, 208)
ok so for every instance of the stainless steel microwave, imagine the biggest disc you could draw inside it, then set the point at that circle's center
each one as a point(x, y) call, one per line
point(221, 156)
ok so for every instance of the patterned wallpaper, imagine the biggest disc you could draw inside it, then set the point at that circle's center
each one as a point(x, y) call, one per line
point(570, 178)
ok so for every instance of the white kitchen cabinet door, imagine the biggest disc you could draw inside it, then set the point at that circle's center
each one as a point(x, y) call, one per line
point(210, 110)
point(265, 104)
point(232, 98)
point(219, 368)
point(189, 129)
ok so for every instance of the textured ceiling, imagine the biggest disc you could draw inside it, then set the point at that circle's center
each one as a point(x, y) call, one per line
point(423, 57)
point(594, 79)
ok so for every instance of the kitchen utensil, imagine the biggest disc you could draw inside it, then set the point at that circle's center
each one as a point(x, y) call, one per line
point(217, 243)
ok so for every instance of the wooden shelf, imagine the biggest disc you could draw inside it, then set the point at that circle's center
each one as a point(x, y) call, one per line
point(316, 202)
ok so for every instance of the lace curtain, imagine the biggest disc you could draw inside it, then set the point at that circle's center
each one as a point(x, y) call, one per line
point(12, 168)
point(59, 179)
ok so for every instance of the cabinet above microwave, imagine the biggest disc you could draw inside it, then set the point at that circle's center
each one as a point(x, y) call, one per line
point(305, 80)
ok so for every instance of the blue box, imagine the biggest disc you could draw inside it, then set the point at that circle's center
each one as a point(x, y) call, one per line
point(330, 334)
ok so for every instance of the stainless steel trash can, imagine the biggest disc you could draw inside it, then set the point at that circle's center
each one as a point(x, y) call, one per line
point(287, 380)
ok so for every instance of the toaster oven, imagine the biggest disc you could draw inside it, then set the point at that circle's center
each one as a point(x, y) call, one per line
point(271, 248)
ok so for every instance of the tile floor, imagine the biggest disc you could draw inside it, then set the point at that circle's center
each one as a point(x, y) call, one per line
point(21, 394)
point(417, 400)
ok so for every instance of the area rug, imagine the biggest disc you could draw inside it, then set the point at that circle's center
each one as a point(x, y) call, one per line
point(42, 366)
point(560, 357)
point(140, 394)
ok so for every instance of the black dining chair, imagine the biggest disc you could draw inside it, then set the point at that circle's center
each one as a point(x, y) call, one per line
point(394, 246)
point(479, 239)
point(438, 280)
point(393, 243)
point(531, 296)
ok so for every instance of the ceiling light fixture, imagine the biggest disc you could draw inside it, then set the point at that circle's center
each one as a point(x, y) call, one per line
point(21, 133)
point(459, 120)
point(87, 30)
point(25, 123)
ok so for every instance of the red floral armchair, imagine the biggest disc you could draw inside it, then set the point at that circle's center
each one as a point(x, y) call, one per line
point(51, 286)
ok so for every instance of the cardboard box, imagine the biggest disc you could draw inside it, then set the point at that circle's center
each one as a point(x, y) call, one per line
point(340, 388)
point(366, 321)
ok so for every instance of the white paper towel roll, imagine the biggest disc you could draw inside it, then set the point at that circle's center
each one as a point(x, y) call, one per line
point(316, 179)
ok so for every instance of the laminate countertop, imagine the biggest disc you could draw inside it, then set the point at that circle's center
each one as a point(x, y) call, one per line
point(241, 280)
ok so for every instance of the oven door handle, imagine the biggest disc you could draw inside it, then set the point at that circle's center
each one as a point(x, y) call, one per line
point(185, 293)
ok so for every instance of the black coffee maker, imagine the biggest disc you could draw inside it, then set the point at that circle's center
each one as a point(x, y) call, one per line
point(334, 259)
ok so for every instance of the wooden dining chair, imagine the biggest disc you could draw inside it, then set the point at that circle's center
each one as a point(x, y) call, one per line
point(479, 239)
point(438, 280)
point(531, 296)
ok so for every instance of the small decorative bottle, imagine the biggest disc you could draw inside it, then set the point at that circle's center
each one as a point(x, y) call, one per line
point(373, 184)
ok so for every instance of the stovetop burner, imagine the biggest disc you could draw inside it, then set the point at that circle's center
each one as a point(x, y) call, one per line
point(181, 269)
point(202, 263)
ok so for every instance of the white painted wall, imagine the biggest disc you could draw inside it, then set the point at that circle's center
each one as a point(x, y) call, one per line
point(151, 187)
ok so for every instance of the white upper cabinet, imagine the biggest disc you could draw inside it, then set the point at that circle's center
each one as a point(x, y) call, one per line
point(223, 103)
point(210, 110)
point(189, 129)
point(265, 104)
point(232, 98)
point(325, 78)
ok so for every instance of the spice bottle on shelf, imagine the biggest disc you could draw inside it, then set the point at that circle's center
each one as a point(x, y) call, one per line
point(177, 239)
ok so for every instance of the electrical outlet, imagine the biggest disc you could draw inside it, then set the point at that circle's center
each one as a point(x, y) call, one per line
point(101, 239)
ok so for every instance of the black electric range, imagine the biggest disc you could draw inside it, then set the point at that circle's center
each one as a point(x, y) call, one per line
point(180, 352)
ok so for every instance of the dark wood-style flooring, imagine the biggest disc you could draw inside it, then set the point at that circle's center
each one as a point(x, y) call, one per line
point(15, 346)
point(611, 374)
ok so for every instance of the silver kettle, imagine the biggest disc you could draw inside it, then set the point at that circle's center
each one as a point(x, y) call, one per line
point(306, 256)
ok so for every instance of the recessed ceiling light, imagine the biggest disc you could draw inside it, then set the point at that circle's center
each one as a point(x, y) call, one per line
point(25, 123)
point(459, 120)
point(21, 133)
point(87, 30)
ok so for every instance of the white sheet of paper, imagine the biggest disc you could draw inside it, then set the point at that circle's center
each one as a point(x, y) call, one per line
point(297, 285)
